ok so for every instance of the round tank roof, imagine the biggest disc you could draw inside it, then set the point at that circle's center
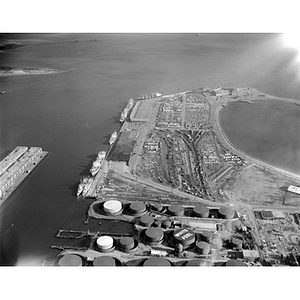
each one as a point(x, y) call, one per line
point(146, 220)
point(201, 211)
point(70, 260)
point(184, 236)
point(235, 263)
point(127, 243)
point(154, 234)
point(216, 243)
point(157, 206)
point(105, 242)
point(156, 261)
point(166, 224)
point(203, 245)
point(237, 242)
point(112, 206)
point(196, 263)
point(176, 210)
point(226, 212)
point(104, 261)
point(137, 208)
point(206, 236)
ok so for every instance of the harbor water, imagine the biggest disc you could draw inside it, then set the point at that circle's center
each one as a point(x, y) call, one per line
point(72, 114)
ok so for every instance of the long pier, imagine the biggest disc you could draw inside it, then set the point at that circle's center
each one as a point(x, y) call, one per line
point(15, 168)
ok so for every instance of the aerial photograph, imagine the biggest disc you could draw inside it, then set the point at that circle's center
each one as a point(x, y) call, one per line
point(149, 149)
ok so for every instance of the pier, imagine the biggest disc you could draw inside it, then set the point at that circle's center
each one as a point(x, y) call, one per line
point(16, 166)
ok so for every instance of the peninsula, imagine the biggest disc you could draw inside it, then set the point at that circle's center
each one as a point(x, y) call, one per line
point(189, 196)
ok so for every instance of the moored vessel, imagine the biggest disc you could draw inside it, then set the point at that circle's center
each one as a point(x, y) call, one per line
point(113, 137)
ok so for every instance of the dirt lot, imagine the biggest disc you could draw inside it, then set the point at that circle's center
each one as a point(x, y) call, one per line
point(258, 186)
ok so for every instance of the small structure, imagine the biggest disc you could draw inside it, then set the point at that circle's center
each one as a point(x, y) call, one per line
point(267, 214)
point(294, 189)
point(251, 255)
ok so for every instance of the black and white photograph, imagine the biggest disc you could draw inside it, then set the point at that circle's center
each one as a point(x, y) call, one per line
point(130, 148)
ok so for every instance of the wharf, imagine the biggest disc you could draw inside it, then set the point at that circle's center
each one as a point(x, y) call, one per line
point(15, 168)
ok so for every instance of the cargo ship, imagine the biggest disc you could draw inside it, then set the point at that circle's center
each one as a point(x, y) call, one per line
point(126, 110)
point(153, 95)
point(87, 185)
point(82, 184)
point(113, 137)
point(98, 163)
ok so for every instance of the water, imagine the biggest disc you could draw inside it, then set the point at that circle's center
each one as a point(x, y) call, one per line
point(267, 130)
point(71, 114)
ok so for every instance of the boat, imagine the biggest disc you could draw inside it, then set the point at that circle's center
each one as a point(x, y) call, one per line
point(124, 115)
point(113, 137)
point(87, 185)
point(153, 95)
point(97, 163)
point(81, 185)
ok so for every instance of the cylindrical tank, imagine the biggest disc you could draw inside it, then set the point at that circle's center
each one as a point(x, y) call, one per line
point(104, 261)
point(206, 236)
point(216, 243)
point(112, 207)
point(203, 248)
point(146, 220)
point(238, 243)
point(105, 243)
point(166, 224)
point(156, 223)
point(184, 236)
point(226, 212)
point(157, 207)
point(197, 263)
point(70, 260)
point(235, 263)
point(126, 243)
point(156, 261)
point(176, 210)
point(201, 211)
point(154, 235)
point(137, 208)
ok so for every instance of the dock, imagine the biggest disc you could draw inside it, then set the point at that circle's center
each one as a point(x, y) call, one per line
point(16, 166)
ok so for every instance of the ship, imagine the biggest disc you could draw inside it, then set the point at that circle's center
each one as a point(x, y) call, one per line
point(98, 163)
point(153, 95)
point(113, 137)
point(2, 92)
point(87, 185)
point(124, 115)
point(81, 185)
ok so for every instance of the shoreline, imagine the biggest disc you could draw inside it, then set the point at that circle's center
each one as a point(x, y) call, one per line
point(249, 158)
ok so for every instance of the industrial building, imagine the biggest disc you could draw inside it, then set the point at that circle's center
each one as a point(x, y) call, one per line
point(294, 189)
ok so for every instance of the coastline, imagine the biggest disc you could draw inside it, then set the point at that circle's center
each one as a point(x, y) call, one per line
point(10, 71)
point(249, 158)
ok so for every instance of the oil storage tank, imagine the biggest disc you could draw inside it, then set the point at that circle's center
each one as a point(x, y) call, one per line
point(146, 220)
point(70, 260)
point(105, 243)
point(153, 235)
point(176, 210)
point(235, 263)
point(127, 244)
point(156, 261)
point(104, 261)
point(237, 243)
point(201, 211)
point(203, 248)
point(112, 207)
point(206, 236)
point(184, 236)
point(137, 208)
point(226, 212)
